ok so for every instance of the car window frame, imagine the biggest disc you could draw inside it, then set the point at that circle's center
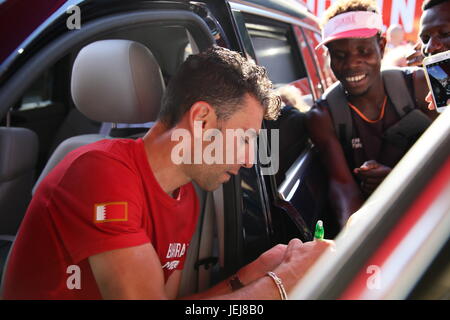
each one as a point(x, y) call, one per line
point(234, 239)
point(13, 89)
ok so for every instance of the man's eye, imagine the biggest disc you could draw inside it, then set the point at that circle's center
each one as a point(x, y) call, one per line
point(444, 35)
point(337, 55)
point(364, 51)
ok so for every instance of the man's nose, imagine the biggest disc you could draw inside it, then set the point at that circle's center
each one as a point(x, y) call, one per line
point(433, 46)
point(353, 61)
point(248, 160)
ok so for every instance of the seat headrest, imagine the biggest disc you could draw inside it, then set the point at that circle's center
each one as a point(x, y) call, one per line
point(117, 81)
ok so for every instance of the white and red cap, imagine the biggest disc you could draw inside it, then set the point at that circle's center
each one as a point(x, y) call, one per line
point(353, 24)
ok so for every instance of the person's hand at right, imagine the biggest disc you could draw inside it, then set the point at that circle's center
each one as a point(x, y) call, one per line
point(371, 174)
point(429, 99)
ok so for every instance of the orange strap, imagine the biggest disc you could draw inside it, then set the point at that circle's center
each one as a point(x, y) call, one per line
point(367, 119)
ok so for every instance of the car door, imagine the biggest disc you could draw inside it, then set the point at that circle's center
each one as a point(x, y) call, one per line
point(268, 215)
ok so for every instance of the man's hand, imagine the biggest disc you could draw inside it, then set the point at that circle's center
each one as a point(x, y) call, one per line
point(431, 105)
point(429, 99)
point(299, 257)
point(266, 262)
point(292, 261)
point(371, 174)
point(135, 273)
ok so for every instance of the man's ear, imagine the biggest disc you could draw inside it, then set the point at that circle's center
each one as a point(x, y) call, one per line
point(202, 111)
point(382, 44)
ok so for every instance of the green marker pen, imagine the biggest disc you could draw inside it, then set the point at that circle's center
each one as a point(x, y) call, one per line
point(319, 232)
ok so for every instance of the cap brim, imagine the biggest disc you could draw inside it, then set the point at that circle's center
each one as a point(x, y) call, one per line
point(351, 34)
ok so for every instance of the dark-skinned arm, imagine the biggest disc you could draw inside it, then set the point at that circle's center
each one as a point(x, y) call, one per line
point(345, 195)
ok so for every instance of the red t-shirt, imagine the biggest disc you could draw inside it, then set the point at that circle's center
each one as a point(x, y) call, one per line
point(100, 197)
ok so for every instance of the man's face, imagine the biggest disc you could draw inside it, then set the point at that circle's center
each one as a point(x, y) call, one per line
point(357, 62)
point(239, 147)
point(435, 29)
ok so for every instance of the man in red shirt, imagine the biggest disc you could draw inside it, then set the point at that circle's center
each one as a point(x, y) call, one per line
point(120, 213)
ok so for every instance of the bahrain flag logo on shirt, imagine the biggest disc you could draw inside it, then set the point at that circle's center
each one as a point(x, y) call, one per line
point(110, 211)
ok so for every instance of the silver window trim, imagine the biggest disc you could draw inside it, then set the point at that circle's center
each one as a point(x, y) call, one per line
point(63, 44)
point(219, 210)
point(294, 175)
point(247, 7)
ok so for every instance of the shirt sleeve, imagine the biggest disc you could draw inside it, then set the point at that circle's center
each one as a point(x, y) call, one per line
point(97, 206)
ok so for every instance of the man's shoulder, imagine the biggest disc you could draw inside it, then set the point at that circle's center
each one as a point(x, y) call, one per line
point(333, 99)
point(408, 74)
point(319, 109)
point(108, 146)
point(106, 150)
point(321, 103)
point(98, 160)
point(405, 86)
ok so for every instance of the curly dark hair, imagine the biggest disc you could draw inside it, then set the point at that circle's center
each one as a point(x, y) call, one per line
point(343, 6)
point(220, 77)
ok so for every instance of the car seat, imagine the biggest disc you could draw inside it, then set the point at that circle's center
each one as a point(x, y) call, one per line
point(18, 157)
point(117, 81)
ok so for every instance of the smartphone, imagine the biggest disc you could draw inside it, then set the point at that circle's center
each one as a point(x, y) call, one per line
point(437, 71)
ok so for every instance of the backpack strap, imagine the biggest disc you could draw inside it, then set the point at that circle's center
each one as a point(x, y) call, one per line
point(397, 90)
point(340, 113)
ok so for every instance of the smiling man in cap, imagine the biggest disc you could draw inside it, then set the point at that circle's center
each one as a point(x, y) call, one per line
point(350, 124)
